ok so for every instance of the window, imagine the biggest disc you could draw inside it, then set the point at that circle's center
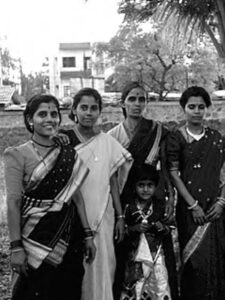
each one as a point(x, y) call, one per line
point(66, 90)
point(87, 63)
point(69, 62)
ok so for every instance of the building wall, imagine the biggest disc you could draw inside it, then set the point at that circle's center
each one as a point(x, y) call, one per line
point(12, 133)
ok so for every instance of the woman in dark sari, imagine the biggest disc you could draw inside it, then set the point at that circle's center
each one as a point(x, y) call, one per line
point(145, 140)
point(196, 155)
point(42, 182)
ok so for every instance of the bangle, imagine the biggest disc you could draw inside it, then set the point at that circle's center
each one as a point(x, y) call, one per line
point(16, 244)
point(221, 200)
point(193, 206)
point(120, 217)
point(88, 233)
point(88, 237)
point(14, 250)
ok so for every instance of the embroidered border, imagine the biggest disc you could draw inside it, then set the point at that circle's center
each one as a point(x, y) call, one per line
point(194, 242)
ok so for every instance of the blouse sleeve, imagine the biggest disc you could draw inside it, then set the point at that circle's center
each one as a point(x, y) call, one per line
point(14, 173)
point(173, 149)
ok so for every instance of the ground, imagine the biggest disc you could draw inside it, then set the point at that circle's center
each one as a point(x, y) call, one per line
point(4, 264)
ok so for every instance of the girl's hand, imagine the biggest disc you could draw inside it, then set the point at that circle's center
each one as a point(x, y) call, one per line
point(61, 139)
point(159, 226)
point(214, 212)
point(19, 261)
point(142, 228)
point(198, 215)
point(119, 230)
point(90, 250)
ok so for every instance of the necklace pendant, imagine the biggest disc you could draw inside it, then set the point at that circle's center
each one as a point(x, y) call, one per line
point(96, 158)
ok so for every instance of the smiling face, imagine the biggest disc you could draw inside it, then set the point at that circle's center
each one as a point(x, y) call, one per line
point(87, 111)
point(195, 110)
point(145, 189)
point(134, 103)
point(45, 120)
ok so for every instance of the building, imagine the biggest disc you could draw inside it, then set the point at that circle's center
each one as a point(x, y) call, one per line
point(72, 69)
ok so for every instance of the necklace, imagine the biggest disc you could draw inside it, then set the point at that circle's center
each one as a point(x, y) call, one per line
point(39, 154)
point(84, 140)
point(45, 146)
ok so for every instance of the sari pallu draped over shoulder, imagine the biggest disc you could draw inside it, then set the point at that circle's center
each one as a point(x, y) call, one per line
point(147, 146)
point(202, 247)
point(47, 210)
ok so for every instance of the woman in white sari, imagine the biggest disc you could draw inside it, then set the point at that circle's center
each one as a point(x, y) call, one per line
point(107, 161)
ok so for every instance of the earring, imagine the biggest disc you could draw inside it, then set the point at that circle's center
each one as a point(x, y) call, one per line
point(31, 126)
point(75, 118)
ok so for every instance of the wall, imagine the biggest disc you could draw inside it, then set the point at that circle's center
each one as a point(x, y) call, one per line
point(12, 130)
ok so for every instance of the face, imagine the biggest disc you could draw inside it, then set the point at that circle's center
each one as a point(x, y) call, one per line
point(135, 102)
point(45, 120)
point(145, 189)
point(87, 111)
point(195, 110)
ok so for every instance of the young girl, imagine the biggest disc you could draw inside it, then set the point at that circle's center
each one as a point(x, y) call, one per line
point(150, 264)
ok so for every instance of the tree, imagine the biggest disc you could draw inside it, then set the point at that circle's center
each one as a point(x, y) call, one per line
point(32, 84)
point(141, 56)
point(201, 16)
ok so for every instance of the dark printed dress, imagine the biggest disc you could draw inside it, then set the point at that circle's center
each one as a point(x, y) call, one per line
point(202, 247)
point(149, 265)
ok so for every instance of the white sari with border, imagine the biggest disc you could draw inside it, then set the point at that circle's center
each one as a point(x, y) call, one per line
point(104, 156)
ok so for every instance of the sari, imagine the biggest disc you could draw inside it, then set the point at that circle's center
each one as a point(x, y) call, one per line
point(47, 215)
point(104, 156)
point(202, 247)
point(146, 146)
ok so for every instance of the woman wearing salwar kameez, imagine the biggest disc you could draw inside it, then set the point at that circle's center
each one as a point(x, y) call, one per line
point(196, 155)
point(107, 160)
point(145, 140)
point(42, 182)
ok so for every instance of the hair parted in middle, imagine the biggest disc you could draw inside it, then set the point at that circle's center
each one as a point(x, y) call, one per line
point(144, 172)
point(33, 105)
point(85, 92)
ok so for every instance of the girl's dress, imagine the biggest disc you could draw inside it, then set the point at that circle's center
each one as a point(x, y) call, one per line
point(150, 271)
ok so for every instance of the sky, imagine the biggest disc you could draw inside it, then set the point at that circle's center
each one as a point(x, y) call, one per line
point(31, 29)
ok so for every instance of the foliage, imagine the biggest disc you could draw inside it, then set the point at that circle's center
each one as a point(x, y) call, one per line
point(150, 58)
point(186, 16)
point(32, 84)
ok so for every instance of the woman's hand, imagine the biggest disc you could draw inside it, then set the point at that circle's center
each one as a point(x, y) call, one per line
point(61, 139)
point(214, 212)
point(19, 261)
point(198, 215)
point(119, 230)
point(90, 250)
point(169, 211)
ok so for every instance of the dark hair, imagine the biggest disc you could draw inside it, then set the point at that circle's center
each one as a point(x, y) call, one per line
point(195, 91)
point(144, 172)
point(33, 105)
point(85, 92)
point(126, 90)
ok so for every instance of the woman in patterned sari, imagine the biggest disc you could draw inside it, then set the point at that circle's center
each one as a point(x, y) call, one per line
point(196, 155)
point(42, 182)
point(106, 160)
point(145, 140)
